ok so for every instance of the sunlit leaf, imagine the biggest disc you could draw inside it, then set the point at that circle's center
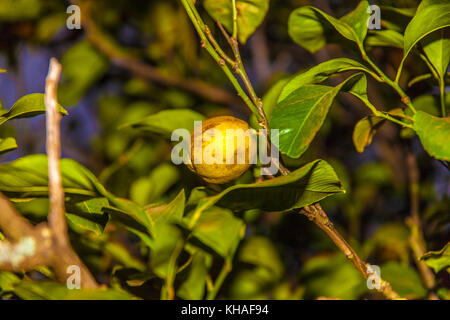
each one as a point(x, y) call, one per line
point(250, 14)
point(304, 186)
point(437, 49)
point(28, 106)
point(320, 73)
point(384, 38)
point(308, 26)
point(364, 131)
point(431, 15)
point(434, 133)
point(299, 116)
point(438, 260)
point(7, 144)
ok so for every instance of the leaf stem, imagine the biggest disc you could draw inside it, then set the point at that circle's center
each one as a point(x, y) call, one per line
point(226, 269)
point(404, 97)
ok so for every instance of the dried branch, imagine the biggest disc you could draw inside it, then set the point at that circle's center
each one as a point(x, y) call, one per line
point(57, 218)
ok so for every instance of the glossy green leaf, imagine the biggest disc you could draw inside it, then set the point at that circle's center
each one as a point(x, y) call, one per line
point(364, 131)
point(308, 26)
point(434, 133)
point(438, 260)
point(250, 14)
point(28, 106)
point(320, 73)
point(299, 116)
point(437, 49)
point(304, 186)
point(403, 279)
point(431, 15)
point(7, 144)
point(166, 121)
point(384, 38)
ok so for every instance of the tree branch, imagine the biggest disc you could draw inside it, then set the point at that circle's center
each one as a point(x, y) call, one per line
point(57, 219)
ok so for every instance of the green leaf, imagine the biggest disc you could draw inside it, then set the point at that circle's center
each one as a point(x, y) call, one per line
point(219, 230)
point(434, 133)
point(437, 49)
point(28, 106)
point(194, 286)
point(28, 177)
point(304, 186)
point(166, 121)
point(167, 238)
point(438, 260)
point(300, 115)
point(82, 66)
point(384, 38)
point(250, 14)
point(87, 215)
point(364, 131)
point(320, 73)
point(404, 279)
point(431, 15)
point(7, 144)
point(308, 26)
point(168, 213)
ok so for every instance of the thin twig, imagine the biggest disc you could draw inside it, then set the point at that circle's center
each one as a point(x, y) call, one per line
point(64, 256)
point(56, 216)
point(416, 238)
